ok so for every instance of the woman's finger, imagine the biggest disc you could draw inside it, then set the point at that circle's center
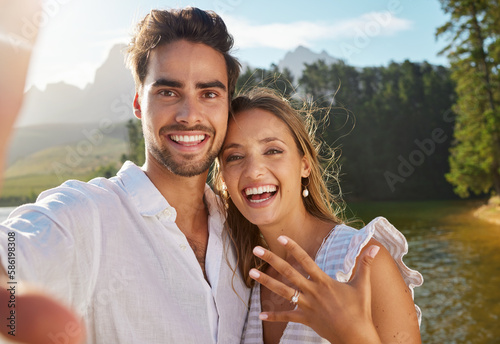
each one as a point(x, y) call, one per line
point(284, 316)
point(281, 266)
point(272, 284)
point(302, 257)
point(361, 277)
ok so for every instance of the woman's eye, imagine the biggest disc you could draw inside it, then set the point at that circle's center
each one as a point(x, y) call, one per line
point(233, 158)
point(273, 151)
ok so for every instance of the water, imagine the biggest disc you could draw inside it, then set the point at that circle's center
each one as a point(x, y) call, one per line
point(459, 257)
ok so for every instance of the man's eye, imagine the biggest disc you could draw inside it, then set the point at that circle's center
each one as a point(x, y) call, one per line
point(210, 95)
point(167, 93)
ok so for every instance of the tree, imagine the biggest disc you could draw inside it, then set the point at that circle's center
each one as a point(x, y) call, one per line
point(474, 53)
point(136, 143)
point(383, 118)
point(282, 81)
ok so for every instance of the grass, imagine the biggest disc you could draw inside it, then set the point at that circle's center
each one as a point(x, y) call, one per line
point(48, 168)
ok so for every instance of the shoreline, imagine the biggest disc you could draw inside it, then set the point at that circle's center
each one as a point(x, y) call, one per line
point(489, 212)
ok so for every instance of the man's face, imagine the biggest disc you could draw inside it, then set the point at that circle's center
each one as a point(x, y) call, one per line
point(184, 106)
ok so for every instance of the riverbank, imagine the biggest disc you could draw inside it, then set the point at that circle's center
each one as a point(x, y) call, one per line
point(490, 212)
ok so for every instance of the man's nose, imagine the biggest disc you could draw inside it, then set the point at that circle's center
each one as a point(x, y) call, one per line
point(189, 112)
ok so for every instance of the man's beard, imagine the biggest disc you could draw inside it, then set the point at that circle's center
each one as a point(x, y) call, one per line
point(183, 168)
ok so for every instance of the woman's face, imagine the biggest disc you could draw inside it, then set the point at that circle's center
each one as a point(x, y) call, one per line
point(262, 167)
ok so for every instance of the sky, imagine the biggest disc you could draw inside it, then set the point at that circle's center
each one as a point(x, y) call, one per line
point(76, 35)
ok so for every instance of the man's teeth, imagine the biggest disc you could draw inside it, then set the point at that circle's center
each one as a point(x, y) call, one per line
point(187, 138)
point(260, 190)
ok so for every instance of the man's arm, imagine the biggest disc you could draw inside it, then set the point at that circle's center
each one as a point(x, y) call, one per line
point(27, 316)
point(15, 51)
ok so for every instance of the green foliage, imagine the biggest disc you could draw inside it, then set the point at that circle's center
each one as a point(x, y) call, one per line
point(106, 171)
point(382, 116)
point(272, 78)
point(474, 53)
point(136, 149)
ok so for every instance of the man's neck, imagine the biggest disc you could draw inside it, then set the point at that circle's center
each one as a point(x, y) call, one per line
point(185, 194)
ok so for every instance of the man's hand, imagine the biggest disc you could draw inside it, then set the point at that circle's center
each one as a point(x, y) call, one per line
point(36, 318)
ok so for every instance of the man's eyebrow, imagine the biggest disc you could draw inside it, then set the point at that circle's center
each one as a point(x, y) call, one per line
point(211, 84)
point(167, 82)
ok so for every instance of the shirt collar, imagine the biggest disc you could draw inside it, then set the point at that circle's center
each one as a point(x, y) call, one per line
point(150, 202)
point(146, 197)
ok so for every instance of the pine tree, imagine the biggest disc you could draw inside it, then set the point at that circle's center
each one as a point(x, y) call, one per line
point(474, 54)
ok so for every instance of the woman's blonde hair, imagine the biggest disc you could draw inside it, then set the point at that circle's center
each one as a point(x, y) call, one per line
point(321, 203)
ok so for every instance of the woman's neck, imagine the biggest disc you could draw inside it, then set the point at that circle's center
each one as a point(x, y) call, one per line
point(306, 230)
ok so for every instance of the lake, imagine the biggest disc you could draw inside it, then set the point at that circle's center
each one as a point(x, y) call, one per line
point(459, 257)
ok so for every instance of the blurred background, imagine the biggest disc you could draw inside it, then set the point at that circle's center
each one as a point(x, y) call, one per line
point(410, 90)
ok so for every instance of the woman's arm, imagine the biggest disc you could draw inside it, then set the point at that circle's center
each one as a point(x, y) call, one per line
point(393, 310)
point(375, 306)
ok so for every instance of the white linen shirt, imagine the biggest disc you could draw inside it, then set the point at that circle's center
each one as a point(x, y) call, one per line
point(111, 249)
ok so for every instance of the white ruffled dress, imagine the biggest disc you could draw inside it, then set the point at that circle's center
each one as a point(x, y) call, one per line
point(337, 257)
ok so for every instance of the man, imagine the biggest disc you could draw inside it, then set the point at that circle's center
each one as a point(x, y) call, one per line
point(141, 257)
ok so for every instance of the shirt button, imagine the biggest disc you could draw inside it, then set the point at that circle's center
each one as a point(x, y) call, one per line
point(167, 212)
point(183, 247)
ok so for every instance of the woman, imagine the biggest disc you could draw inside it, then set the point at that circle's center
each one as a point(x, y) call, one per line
point(283, 221)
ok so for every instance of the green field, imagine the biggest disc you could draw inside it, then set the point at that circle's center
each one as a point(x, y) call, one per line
point(45, 169)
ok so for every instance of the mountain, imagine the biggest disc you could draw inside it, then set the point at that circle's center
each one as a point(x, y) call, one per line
point(88, 137)
point(108, 98)
point(63, 114)
point(295, 60)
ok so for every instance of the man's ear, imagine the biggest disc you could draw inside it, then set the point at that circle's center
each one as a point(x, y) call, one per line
point(137, 107)
point(306, 167)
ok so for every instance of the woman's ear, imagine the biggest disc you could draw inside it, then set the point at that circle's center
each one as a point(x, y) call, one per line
point(306, 167)
point(137, 107)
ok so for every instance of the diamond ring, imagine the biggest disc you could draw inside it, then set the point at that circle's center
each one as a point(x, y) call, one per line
point(295, 298)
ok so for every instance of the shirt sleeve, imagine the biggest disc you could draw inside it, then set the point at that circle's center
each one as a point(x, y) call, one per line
point(54, 243)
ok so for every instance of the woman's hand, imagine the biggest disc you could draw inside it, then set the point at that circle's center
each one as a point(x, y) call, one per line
point(338, 312)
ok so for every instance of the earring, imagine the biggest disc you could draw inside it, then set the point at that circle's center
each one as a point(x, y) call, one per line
point(224, 191)
point(305, 192)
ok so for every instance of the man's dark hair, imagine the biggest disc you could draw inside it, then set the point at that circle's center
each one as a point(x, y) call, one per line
point(168, 26)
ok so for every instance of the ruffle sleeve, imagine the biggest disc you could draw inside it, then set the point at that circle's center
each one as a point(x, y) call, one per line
point(393, 240)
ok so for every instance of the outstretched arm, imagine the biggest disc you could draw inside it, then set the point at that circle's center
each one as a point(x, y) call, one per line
point(30, 316)
point(16, 45)
point(374, 307)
